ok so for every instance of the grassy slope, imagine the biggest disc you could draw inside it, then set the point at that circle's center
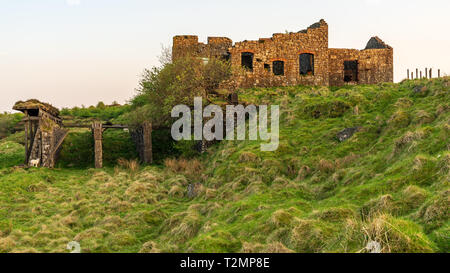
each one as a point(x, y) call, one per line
point(388, 183)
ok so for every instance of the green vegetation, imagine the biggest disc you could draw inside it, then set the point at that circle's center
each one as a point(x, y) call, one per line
point(86, 115)
point(160, 89)
point(388, 183)
point(78, 148)
point(9, 123)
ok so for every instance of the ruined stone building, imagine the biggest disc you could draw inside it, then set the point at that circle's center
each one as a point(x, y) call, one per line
point(301, 58)
point(44, 134)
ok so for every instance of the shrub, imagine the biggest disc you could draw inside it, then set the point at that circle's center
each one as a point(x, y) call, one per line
point(160, 89)
point(8, 124)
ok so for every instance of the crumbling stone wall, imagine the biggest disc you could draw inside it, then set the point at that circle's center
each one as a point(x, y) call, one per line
point(253, 62)
point(188, 45)
point(375, 65)
point(286, 48)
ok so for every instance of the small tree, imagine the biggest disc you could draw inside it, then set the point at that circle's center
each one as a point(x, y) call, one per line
point(101, 105)
point(160, 89)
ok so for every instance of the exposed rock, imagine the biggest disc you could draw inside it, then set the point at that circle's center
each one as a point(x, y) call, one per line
point(347, 133)
point(418, 89)
point(194, 189)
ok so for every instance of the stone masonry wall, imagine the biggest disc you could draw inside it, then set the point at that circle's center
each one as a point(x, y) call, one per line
point(286, 48)
point(375, 63)
point(188, 45)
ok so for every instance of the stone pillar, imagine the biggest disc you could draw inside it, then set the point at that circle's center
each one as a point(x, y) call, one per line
point(97, 129)
point(26, 142)
point(147, 135)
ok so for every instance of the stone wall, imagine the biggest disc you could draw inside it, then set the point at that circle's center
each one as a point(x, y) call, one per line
point(287, 48)
point(374, 65)
point(375, 62)
point(188, 45)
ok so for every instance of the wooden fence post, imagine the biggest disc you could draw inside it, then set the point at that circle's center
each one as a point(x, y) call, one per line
point(97, 127)
point(407, 72)
point(426, 72)
point(431, 73)
point(439, 73)
point(417, 73)
point(147, 135)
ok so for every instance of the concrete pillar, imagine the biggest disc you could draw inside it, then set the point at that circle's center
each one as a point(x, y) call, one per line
point(97, 129)
point(147, 135)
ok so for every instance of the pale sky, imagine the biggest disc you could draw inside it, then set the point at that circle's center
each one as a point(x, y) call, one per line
point(74, 52)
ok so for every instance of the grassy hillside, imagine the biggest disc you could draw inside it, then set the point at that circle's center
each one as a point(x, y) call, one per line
point(388, 183)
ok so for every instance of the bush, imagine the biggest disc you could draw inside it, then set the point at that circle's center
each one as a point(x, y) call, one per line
point(329, 108)
point(78, 149)
point(100, 112)
point(160, 89)
point(8, 124)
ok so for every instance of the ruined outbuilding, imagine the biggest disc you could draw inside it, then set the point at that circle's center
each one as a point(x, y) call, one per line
point(300, 58)
point(43, 132)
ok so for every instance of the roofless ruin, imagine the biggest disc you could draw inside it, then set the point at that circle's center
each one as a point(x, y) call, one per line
point(300, 58)
point(45, 132)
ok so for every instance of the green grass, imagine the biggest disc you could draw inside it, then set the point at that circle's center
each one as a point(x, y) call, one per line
point(388, 183)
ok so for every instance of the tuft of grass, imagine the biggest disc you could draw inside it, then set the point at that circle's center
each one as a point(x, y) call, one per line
point(188, 167)
point(248, 157)
point(130, 164)
point(397, 235)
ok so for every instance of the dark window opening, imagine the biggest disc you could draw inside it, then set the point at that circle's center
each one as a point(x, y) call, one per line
point(226, 57)
point(350, 71)
point(306, 64)
point(278, 68)
point(33, 112)
point(247, 60)
point(267, 67)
